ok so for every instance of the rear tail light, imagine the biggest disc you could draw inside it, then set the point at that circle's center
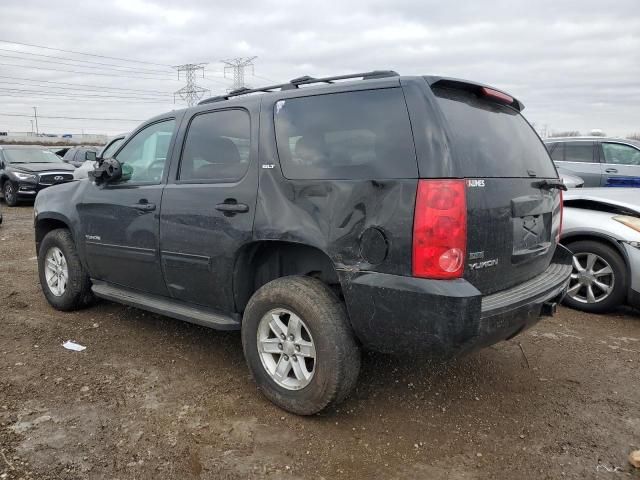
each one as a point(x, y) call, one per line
point(440, 229)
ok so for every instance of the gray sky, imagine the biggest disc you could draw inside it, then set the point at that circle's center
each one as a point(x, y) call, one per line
point(574, 64)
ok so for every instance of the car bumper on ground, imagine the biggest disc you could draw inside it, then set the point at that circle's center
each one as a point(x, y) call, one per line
point(397, 314)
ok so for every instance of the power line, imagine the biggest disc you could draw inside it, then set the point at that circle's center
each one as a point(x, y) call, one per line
point(71, 118)
point(79, 99)
point(67, 89)
point(89, 67)
point(89, 95)
point(83, 61)
point(83, 53)
point(84, 85)
point(86, 73)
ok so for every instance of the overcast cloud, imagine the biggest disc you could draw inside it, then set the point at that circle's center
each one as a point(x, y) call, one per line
point(574, 64)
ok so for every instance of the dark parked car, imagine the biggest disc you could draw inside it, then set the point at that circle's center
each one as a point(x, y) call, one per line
point(24, 171)
point(76, 156)
point(400, 214)
point(599, 161)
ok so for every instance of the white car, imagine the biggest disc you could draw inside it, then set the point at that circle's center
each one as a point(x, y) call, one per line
point(601, 226)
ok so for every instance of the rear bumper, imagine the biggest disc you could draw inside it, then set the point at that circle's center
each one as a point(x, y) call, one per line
point(396, 314)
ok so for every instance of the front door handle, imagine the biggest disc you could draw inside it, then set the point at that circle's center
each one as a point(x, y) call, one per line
point(144, 207)
point(231, 207)
point(611, 170)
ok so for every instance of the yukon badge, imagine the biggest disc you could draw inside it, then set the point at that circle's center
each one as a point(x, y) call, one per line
point(485, 264)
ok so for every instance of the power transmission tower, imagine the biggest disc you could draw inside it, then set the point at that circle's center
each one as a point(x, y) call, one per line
point(191, 92)
point(237, 66)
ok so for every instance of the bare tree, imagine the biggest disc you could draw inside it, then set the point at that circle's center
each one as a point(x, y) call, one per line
point(568, 133)
point(634, 136)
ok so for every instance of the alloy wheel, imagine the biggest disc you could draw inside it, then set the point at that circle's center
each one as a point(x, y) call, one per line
point(286, 349)
point(592, 279)
point(9, 193)
point(56, 271)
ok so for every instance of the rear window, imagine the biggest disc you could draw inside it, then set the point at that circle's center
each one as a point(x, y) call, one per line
point(352, 135)
point(490, 139)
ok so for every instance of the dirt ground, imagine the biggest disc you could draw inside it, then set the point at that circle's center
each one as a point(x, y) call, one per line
point(156, 398)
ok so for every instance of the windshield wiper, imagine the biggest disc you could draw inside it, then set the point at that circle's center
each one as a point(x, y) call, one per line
point(550, 184)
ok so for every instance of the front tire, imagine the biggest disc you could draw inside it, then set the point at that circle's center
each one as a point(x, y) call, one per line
point(64, 281)
point(599, 278)
point(299, 346)
point(10, 192)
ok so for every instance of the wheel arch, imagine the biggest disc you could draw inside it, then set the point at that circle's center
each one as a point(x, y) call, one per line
point(259, 262)
point(596, 237)
point(46, 223)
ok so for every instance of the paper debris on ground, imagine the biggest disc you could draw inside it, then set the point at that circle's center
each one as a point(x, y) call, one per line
point(76, 347)
point(634, 458)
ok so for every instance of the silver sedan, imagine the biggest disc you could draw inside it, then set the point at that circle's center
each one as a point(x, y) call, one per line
point(601, 226)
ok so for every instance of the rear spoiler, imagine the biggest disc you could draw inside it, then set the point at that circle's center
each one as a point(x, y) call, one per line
point(477, 88)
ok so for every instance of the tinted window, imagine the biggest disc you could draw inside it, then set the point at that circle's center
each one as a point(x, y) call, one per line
point(620, 154)
point(557, 154)
point(353, 135)
point(490, 139)
point(216, 147)
point(144, 157)
point(112, 147)
point(578, 152)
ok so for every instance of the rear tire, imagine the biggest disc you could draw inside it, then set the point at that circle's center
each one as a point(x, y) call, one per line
point(335, 365)
point(605, 259)
point(10, 193)
point(65, 283)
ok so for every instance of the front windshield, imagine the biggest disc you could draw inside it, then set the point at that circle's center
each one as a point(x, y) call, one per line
point(30, 155)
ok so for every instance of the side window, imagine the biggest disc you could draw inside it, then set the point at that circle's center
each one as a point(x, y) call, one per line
point(353, 135)
point(578, 152)
point(216, 147)
point(620, 154)
point(144, 158)
point(557, 151)
point(80, 155)
point(69, 155)
point(112, 147)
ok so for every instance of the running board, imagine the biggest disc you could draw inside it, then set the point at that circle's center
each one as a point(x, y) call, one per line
point(164, 306)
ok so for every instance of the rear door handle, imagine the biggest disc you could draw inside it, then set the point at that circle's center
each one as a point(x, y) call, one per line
point(231, 207)
point(611, 170)
point(144, 207)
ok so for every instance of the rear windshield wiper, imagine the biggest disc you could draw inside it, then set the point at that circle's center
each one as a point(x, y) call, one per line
point(550, 184)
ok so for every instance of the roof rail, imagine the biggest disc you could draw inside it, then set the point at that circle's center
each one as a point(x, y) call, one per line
point(296, 82)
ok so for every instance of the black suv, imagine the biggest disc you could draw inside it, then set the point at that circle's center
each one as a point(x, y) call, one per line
point(398, 214)
point(24, 171)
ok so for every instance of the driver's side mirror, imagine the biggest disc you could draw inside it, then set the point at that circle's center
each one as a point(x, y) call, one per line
point(89, 155)
point(109, 170)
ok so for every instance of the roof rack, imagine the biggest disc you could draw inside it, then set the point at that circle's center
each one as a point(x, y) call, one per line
point(296, 82)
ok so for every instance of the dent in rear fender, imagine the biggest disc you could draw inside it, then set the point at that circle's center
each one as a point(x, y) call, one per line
point(392, 313)
point(333, 215)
